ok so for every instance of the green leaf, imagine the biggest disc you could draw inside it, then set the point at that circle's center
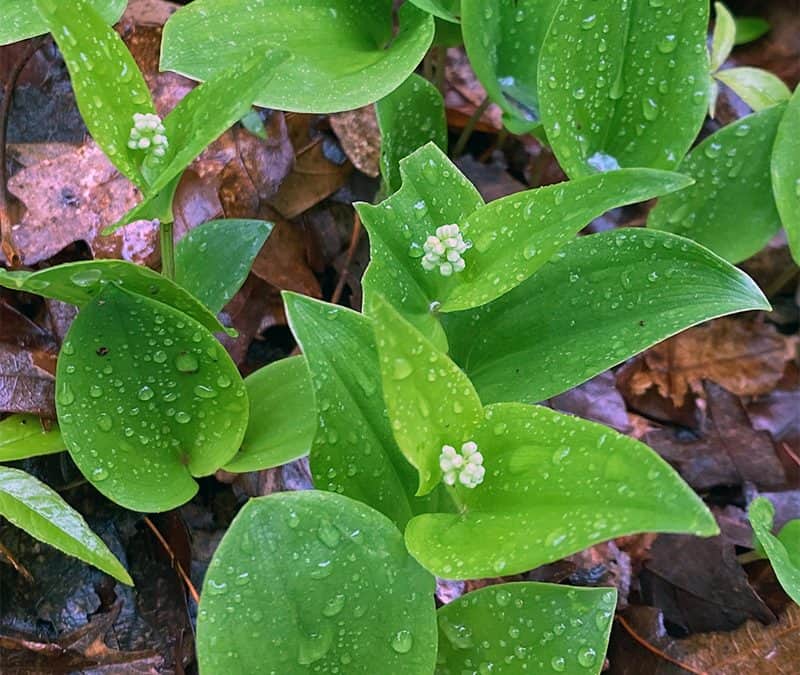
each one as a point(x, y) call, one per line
point(434, 193)
point(109, 87)
point(146, 399)
point(311, 582)
point(785, 170)
point(154, 206)
point(750, 28)
point(417, 380)
point(730, 207)
point(756, 87)
point(213, 260)
point(23, 436)
point(723, 38)
point(20, 22)
point(602, 299)
point(628, 87)
point(448, 10)
point(42, 513)
point(503, 42)
point(514, 236)
point(554, 485)
point(345, 53)
point(354, 451)
point(526, 627)
point(783, 551)
point(408, 118)
point(80, 282)
point(283, 418)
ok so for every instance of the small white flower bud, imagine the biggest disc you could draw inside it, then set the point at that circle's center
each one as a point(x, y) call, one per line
point(443, 250)
point(465, 467)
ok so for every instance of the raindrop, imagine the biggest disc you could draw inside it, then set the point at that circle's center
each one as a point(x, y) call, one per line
point(187, 363)
point(86, 278)
point(558, 664)
point(145, 393)
point(402, 642)
point(104, 422)
point(401, 369)
point(99, 474)
point(587, 656)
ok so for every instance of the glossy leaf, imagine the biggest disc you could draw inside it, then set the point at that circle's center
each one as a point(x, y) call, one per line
point(730, 207)
point(434, 193)
point(503, 41)
point(783, 551)
point(344, 53)
point(80, 282)
point(20, 22)
point(109, 87)
point(724, 36)
point(154, 206)
point(750, 28)
point(283, 419)
point(449, 10)
point(213, 260)
point(514, 236)
point(42, 513)
point(526, 627)
point(629, 87)
point(313, 582)
point(417, 381)
point(354, 452)
point(602, 299)
point(23, 436)
point(554, 485)
point(146, 399)
point(758, 88)
point(785, 170)
point(408, 118)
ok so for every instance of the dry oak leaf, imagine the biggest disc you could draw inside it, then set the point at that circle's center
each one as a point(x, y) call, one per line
point(357, 131)
point(747, 357)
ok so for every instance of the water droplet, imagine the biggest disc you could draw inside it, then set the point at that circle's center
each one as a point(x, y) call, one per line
point(104, 422)
point(402, 642)
point(182, 417)
point(160, 356)
point(145, 393)
point(668, 44)
point(99, 474)
point(203, 391)
point(334, 605)
point(95, 391)
point(65, 394)
point(328, 534)
point(401, 369)
point(558, 663)
point(86, 278)
point(187, 363)
point(587, 656)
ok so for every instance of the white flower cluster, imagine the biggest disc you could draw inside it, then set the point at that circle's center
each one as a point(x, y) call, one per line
point(147, 133)
point(466, 466)
point(443, 251)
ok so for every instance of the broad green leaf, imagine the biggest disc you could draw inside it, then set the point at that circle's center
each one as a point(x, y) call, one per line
point(154, 206)
point(408, 118)
point(283, 417)
point(514, 236)
point(417, 381)
point(526, 628)
point(313, 582)
point(21, 22)
point(109, 87)
point(750, 28)
point(213, 260)
point(730, 207)
point(785, 169)
point(449, 10)
point(758, 88)
point(783, 551)
point(503, 41)
point(80, 282)
point(345, 52)
point(554, 485)
point(23, 436)
point(624, 83)
point(434, 193)
point(724, 36)
point(602, 299)
point(146, 399)
point(354, 451)
point(42, 513)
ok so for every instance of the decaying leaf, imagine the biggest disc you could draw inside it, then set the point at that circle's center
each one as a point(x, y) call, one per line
point(27, 381)
point(357, 131)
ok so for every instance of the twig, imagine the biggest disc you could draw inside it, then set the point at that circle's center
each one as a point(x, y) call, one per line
point(15, 563)
point(656, 650)
point(788, 274)
point(792, 454)
point(355, 237)
point(6, 236)
point(441, 69)
point(472, 122)
point(175, 563)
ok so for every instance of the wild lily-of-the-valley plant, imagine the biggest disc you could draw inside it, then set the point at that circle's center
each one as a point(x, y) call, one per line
point(428, 455)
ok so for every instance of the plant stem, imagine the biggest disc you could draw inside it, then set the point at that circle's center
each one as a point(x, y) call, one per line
point(167, 250)
point(472, 122)
point(441, 70)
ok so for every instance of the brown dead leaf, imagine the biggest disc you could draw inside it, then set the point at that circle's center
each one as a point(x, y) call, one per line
point(465, 94)
point(746, 356)
point(27, 382)
point(357, 131)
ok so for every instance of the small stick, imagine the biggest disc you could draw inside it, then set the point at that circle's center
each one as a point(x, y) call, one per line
point(655, 650)
point(15, 563)
point(178, 567)
point(355, 237)
point(472, 122)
